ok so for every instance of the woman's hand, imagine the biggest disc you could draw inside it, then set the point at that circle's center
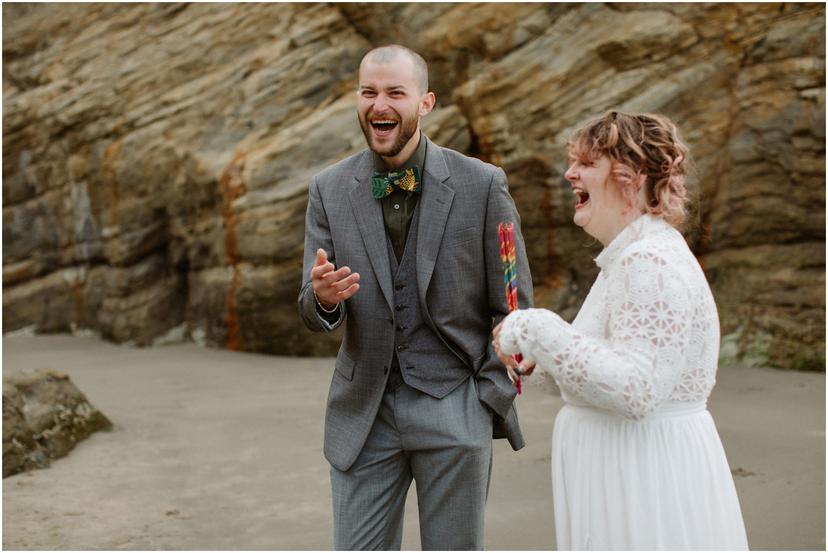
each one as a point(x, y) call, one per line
point(513, 368)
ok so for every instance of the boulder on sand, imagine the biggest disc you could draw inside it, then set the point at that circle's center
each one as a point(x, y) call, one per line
point(44, 417)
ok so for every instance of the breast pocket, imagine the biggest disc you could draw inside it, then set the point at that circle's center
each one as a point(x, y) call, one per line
point(463, 236)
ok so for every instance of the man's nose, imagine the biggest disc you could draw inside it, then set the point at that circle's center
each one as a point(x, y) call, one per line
point(380, 103)
point(571, 174)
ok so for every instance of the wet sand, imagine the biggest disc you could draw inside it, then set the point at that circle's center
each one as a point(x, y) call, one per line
point(219, 450)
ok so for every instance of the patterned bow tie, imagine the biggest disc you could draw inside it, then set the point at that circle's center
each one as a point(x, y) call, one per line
point(383, 184)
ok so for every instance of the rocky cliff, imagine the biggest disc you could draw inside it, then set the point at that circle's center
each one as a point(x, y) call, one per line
point(157, 156)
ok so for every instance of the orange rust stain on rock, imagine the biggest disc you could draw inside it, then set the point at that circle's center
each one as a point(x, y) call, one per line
point(232, 187)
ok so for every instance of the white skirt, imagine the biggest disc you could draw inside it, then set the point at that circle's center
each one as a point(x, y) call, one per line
point(659, 483)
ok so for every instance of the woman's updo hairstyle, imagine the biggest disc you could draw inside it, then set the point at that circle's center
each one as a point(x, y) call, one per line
point(639, 144)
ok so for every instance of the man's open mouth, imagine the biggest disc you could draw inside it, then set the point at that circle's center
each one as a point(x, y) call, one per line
point(582, 197)
point(383, 125)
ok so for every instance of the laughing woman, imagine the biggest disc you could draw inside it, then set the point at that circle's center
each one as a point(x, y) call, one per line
point(637, 462)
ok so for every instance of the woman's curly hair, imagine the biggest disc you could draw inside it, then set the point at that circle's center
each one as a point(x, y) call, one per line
point(639, 144)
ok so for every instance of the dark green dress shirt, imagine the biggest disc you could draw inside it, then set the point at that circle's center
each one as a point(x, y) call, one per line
point(398, 207)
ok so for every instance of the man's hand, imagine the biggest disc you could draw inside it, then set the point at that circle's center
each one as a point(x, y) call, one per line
point(332, 286)
point(513, 368)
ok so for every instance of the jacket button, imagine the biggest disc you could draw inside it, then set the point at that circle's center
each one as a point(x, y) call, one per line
point(400, 307)
point(401, 327)
point(399, 287)
point(402, 347)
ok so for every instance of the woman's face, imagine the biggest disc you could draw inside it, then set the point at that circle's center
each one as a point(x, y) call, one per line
point(600, 208)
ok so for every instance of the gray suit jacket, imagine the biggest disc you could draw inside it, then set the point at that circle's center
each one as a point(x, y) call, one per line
point(459, 275)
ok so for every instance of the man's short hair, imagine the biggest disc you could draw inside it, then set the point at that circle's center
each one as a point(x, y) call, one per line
point(388, 53)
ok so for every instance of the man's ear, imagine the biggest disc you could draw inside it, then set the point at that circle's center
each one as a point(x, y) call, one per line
point(427, 103)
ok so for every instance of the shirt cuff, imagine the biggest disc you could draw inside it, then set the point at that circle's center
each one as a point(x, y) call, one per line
point(328, 320)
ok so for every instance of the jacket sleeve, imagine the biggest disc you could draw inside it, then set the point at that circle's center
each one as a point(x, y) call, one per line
point(495, 388)
point(317, 235)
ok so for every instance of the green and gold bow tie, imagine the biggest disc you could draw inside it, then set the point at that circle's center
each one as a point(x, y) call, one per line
point(383, 184)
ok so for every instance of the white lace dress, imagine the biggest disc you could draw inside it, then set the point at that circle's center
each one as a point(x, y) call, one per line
point(637, 462)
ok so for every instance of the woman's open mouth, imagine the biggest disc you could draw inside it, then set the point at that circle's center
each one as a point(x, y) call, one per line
point(582, 197)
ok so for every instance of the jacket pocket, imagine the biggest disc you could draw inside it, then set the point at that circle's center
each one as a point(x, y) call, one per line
point(463, 236)
point(345, 365)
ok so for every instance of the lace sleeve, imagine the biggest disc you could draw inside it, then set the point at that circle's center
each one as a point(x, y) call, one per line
point(640, 362)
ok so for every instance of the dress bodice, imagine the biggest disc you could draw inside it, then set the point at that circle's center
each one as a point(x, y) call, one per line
point(646, 336)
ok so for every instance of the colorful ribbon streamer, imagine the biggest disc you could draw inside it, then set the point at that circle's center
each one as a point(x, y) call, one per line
point(506, 235)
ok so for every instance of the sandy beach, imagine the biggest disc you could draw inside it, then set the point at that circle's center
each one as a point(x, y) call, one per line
point(219, 450)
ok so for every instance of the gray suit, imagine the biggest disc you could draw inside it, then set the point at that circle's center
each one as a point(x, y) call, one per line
point(459, 280)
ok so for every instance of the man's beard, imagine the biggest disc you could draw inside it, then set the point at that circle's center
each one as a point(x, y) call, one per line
point(408, 127)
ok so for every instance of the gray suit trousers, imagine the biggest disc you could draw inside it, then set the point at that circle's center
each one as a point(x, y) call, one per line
point(445, 445)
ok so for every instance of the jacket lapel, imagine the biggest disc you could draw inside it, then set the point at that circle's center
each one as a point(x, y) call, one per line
point(368, 214)
point(434, 209)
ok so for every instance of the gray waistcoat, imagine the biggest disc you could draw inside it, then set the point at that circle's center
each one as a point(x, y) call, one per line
point(422, 357)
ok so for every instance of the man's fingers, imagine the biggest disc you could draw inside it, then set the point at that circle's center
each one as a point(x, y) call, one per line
point(345, 283)
point(321, 266)
point(332, 277)
point(336, 276)
point(339, 290)
point(348, 292)
point(320, 271)
point(327, 273)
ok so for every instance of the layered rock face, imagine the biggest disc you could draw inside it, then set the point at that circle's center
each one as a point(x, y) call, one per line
point(157, 156)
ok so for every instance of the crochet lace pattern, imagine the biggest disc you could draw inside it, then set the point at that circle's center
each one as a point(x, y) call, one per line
point(648, 332)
